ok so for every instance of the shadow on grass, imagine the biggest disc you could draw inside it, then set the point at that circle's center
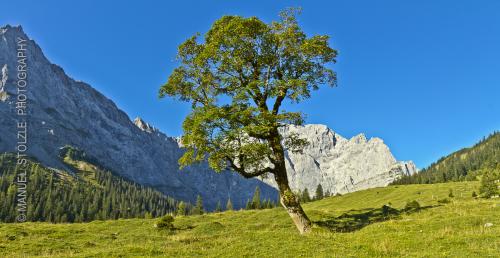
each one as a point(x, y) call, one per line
point(354, 220)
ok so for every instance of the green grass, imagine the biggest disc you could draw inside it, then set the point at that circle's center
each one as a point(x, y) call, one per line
point(455, 229)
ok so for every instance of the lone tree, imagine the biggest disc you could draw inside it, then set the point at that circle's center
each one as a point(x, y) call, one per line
point(236, 78)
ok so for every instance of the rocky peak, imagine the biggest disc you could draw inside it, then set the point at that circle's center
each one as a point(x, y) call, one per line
point(358, 139)
point(144, 126)
point(338, 164)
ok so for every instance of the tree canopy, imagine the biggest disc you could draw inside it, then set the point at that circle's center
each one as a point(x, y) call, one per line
point(236, 77)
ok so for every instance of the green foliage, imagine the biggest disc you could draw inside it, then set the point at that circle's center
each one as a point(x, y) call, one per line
point(198, 208)
point(231, 75)
point(237, 77)
point(466, 164)
point(166, 222)
point(88, 194)
point(328, 193)
point(229, 205)
point(489, 186)
point(248, 206)
point(305, 197)
point(257, 203)
point(319, 192)
point(256, 199)
point(182, 209)
point(218, 207)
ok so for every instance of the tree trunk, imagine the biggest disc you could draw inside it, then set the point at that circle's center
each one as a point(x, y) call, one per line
point(287, 198)
point(292, 205)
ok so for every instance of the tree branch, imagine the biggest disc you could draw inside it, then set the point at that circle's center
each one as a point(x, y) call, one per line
point(241, 170)
point(279, 100)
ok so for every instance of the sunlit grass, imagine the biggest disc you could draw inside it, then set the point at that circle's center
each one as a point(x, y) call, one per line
point(455, 229)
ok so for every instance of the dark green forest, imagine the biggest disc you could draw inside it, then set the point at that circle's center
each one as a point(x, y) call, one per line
point(467, 164)
point(88, 193)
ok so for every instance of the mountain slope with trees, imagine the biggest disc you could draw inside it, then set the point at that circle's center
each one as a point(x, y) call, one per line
point(465, 164)
point(89, 193)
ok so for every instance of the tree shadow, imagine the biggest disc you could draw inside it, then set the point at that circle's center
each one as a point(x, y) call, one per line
point(354, 220)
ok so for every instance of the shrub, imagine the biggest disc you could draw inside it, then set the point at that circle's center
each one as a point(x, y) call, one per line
point(165, 222)
point(474, 194)
point(443, 201)
point(388, 211)
point(412, 206)
point(488, 186)
point(451, 194)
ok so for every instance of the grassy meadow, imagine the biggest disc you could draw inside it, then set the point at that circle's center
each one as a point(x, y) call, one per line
point(352, 225)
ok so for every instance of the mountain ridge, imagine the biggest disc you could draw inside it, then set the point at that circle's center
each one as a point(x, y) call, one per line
point(339, 164)
point(465, 164)
point(64, 111)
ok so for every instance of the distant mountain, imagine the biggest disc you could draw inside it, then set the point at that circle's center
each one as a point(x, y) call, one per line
point(465, 164)
point(86, 193)
point(341, 165)
point(63, 112)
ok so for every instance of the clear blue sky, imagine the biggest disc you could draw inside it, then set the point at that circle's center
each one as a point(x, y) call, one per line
point(422, 75)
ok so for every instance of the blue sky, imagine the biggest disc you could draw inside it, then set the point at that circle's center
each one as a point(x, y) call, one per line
point(422, 75)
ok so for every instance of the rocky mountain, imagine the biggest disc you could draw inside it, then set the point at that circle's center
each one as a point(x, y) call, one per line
point(341, 165)
point(63, 112)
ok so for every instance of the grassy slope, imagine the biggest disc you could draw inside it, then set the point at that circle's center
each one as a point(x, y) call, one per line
point(455, 229)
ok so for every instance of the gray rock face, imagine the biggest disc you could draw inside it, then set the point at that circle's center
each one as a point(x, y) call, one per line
point(341, 165)
point(3, 80)
point(63, 111)
point(144, 126)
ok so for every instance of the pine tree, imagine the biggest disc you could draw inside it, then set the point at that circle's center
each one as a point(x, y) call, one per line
point(488, 187)
point(218, 208)
point(249, 205)
point(327, 193)
point(181, 209)
point(55, 199)
point(319, 192)
point(198, 209)
point(229, 205)
point(256, 198)
point(305, 196)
